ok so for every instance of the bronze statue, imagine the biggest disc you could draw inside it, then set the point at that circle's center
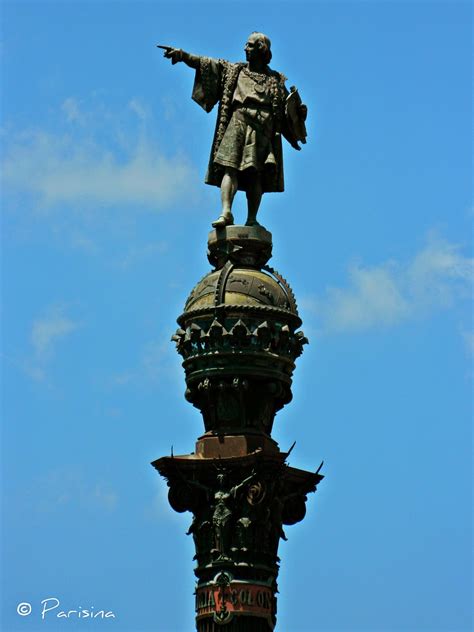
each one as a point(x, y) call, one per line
point(239, 339)
point(255, 109)
point(221, 502)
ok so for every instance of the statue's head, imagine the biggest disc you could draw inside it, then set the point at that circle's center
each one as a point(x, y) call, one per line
point(258, 44)
point(221, 479)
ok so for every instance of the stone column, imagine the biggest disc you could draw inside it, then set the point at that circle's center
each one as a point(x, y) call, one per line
point(239, 338)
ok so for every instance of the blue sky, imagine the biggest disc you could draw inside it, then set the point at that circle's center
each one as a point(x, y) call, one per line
point(105, 221)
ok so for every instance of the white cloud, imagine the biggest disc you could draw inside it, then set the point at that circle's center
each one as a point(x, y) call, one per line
point(107, 162)
point(159, 510)
point(70, 487)
point(136, 254)
point(391, 292)
point(439, 274)
point(104, 497)
point(47, 330)
point(469, 342)
point(46, 333)
point(81, 241)
point(60, 170)
point(155, 359)
point(156, 365)
point(140, 109)
point(71, 109)
point(121, 379)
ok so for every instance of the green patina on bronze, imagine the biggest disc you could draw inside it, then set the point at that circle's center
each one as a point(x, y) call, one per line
point(239, 337)
point(255, 111)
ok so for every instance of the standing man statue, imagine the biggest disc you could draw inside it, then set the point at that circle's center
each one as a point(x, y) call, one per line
point(255, 109)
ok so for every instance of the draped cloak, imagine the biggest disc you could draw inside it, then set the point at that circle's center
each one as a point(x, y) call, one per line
point(254, 125)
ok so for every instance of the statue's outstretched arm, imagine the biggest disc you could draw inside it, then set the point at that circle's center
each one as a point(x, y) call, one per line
point(247, 480)
point(177, 54)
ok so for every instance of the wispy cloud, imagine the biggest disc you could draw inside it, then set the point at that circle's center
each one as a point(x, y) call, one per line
point(140, 109)
point(97, 158)
point(70, 487)
point(391, 292)
point(469, 342)
point(139, 254)
point(53, 326)
point(49, 328)
point(81, 241)
point(60, 170)
point(157, 364)
point(158, 509)
point(155, 359)
point(72, 111)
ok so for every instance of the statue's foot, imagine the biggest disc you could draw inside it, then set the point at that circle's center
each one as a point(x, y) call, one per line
point(223, 220)
point(252, 222)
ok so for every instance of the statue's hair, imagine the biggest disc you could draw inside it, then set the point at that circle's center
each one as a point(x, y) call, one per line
point(264, 45)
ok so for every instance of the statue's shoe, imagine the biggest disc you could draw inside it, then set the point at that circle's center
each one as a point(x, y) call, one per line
point(223, 220)
point(252, 222)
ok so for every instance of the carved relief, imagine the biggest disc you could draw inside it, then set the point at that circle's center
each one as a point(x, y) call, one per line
point(238, 516)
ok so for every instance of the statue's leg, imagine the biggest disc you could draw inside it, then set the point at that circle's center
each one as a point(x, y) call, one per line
point(229, 186)
point(254, 197)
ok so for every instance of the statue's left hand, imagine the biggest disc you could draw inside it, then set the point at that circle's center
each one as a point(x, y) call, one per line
point(303, 111)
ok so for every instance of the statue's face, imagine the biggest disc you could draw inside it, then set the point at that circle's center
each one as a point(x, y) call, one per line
point(252, 48)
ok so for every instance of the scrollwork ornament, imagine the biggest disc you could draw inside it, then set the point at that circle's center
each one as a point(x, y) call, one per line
point(256, 493)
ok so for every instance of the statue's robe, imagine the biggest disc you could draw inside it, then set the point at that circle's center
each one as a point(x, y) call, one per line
point(250, 121)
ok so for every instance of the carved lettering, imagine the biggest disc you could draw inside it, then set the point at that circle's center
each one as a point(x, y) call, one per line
point(244, 598)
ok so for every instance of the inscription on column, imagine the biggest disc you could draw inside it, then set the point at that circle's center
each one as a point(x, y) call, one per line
point(224, 598)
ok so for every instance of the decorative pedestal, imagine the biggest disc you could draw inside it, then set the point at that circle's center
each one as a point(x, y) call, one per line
point(239, 339)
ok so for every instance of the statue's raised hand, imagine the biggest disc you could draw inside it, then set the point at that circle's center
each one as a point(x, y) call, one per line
point(175, 54)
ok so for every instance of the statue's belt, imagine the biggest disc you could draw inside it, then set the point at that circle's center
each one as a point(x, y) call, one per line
point(259, 116)
point(240, 107)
